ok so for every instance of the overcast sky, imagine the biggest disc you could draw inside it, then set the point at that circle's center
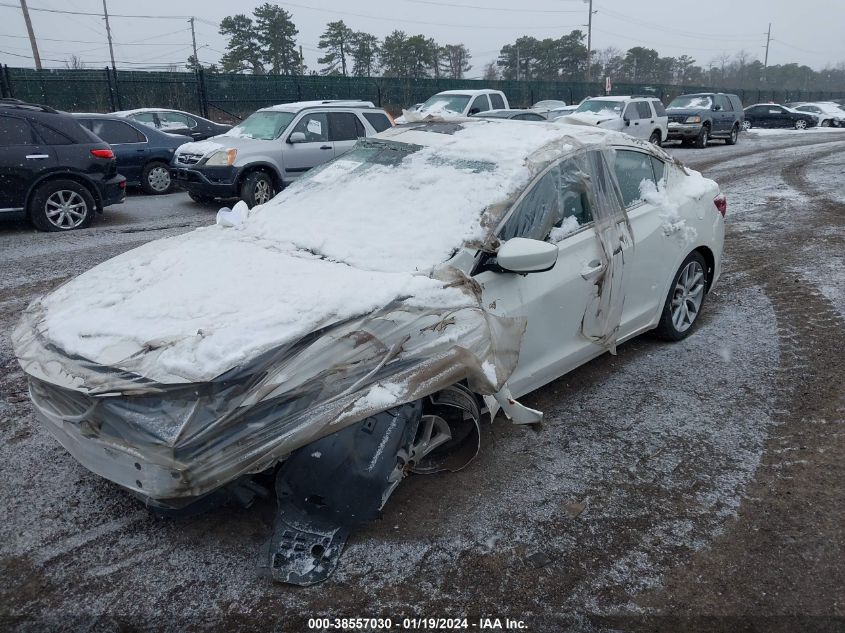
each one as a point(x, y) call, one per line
point(808, 31)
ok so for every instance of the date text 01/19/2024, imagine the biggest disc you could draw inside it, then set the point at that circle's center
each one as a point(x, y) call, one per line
point(431, 625)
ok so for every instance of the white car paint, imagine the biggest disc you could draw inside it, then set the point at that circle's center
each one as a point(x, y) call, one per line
point(622, 115)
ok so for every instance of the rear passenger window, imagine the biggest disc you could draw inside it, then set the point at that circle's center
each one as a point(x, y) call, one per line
point(344, 126)
point(116, 132)
point(315, 126)
point(379, 121)
point(658, 108)
point(14, 131)
point(497, 101)
point(632, 168)
point(50, 136)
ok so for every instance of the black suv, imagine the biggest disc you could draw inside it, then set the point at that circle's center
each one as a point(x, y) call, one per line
point(697, 118)
point(53, 169)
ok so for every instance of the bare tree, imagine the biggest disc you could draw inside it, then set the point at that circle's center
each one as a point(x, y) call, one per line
point(75, 63)
point(491, 72)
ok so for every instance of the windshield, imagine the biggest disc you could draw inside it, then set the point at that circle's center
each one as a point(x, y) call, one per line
point(455, 103)
point(603, 107)
point(404, 207)
point(265, 125)
point(692, 101)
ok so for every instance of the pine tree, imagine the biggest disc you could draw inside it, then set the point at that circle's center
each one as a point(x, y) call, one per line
point(454, 60)
point(337, 42)
point(365, 52)
point(242, 49)
point(276, 35)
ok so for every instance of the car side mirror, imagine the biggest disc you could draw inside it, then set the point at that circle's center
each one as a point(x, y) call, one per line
point(627, 120)
point(474, 111)
point(523, 255)
point(296, 137)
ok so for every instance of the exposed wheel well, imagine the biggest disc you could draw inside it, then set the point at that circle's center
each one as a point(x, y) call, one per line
point(277, 181)
point(78, 179)
point(710, 260)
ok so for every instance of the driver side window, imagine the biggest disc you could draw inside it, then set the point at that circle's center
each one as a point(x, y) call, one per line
point(556, 205)
point(315, 126)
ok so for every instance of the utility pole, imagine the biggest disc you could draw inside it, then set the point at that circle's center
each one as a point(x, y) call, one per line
point(108, 33)
point(194, 40)
point(29, 30)
point(589, 39)
point(768, 39)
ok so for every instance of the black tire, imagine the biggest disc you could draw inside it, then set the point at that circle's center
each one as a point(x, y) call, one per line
point(200, 198)
point(655, 138)
point(155, 178)
point(702, 138)
point(46, 211)
point(254, 186)
point(734, 137)
point(666, 329)
point(825, 123)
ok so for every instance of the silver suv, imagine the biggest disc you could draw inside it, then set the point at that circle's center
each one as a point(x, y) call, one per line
point(272, 147)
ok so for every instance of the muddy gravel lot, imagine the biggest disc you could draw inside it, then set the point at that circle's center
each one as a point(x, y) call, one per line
point(694, 486)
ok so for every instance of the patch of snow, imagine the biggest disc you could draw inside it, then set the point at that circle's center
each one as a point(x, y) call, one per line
point(200, 147)
point(567, 227)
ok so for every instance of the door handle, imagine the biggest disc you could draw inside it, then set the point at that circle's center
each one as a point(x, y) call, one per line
point(325, 146)
point(37, 156)
point(592, 270)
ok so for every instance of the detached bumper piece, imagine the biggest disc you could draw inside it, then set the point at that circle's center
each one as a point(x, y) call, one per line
point(332, 486)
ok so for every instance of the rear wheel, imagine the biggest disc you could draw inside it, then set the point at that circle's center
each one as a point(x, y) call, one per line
point(732, 139)
point(746, 125)
point(61, 205)
point(155, 178)
point(257, 188)
point(685, 299)
point(800, 124)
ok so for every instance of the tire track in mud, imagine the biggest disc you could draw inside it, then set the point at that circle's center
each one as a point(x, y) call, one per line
point(795, 175)
point(788, 539)
point(716, 162)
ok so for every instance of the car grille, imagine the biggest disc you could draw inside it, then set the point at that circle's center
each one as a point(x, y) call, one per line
point(677, 118)
point(188, 159)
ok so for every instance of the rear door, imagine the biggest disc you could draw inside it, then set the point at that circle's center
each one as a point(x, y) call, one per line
point(130, 147)
point(317, 148)
point(344, 131)
point(22, 158)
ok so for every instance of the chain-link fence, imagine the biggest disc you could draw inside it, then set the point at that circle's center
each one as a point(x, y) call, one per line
point(230, 97)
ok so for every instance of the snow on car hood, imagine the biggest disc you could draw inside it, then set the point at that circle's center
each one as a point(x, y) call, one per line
point(339, 243)
point(592, 118)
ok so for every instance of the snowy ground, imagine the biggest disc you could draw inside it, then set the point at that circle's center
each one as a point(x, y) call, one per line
point(688, 480)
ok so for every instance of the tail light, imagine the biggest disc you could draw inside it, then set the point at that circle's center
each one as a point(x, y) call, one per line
point(721, 203)
point(102, 153)
point(122, 185)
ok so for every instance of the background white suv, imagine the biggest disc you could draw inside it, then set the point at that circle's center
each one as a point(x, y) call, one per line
point(641, 117)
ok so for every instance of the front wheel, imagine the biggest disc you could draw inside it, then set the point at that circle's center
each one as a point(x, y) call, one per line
point(655, 138)
point(703, 137)
point(732, 139)
point(257, 188)
point(826, 123)
point(685, 299)
point(155, 178)
point(800, 125)
point(61, 205)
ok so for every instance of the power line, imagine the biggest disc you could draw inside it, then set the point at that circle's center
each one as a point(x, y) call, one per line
point(113, 15)
point(622, 17)
point(138, 43)
point(483, 8)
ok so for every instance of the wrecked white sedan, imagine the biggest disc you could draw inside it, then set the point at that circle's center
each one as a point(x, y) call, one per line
point(354, 329)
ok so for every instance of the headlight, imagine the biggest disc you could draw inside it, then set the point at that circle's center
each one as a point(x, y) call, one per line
point(693, 119)
point(222, 157)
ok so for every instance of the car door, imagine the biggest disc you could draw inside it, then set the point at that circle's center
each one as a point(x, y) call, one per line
point(344, 131)
point(22, 157)
point(779, 117)
point(556, 207)
point(648, 121)
point(480, 104)
point(638, 172)
point(315, 149)
point(131, 148)
point(632, 116)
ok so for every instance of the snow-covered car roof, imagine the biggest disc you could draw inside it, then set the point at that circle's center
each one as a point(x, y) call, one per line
point(296, 106)
point(468, 92)
point(125, 113)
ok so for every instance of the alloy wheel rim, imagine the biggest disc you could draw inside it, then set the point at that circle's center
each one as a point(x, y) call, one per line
point(65, 209)
point(263, 192)
point(688, 295)
point(159, 178)
point(800, 124)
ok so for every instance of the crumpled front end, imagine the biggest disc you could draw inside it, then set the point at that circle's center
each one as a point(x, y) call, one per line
point(174, 443)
